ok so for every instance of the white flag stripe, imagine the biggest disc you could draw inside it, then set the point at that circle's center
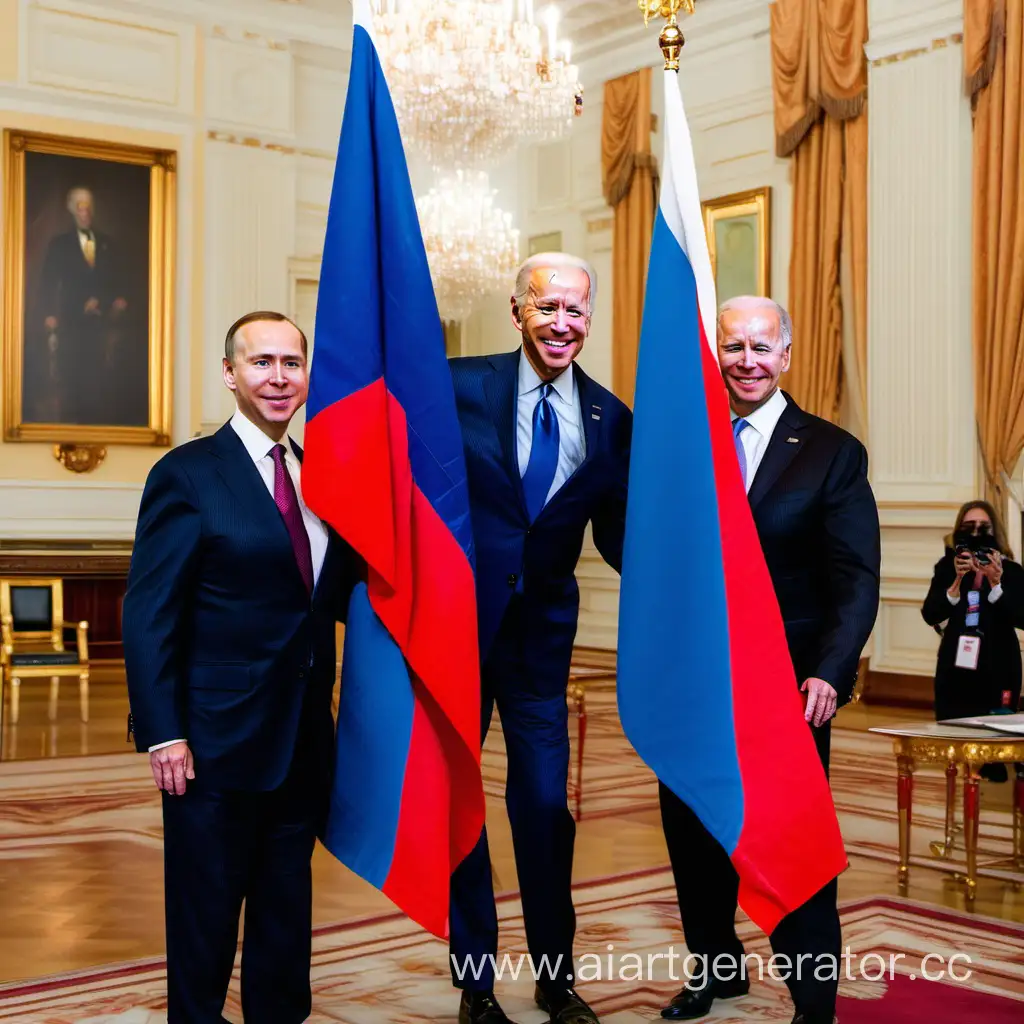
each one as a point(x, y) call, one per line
point(362, 14)
point(680, 204)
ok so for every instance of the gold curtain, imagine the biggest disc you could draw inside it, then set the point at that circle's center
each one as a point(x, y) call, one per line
point(994, 52)
point(820, 88)
point(630, 183)
point(854, 271)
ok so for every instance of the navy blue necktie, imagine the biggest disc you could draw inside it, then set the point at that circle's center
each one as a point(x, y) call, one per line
point(540, 471)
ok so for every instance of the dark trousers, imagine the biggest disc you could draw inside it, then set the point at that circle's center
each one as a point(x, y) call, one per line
point(707, 886)
point(221, 848)
point(535, 724)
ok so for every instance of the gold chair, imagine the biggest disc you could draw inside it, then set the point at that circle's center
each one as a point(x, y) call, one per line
point(32, 620)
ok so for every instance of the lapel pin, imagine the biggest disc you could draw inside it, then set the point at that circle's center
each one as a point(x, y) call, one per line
point(792, 440)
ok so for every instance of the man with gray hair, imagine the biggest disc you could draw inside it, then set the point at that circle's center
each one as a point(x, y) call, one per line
point(82, 306)
point(807, 483)
point(547, 453)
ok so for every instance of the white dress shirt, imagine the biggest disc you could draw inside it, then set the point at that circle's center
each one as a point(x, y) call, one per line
point(259, 446)
point(761, 424)
point(993, 595)
point(85, 236)
point(565, 400)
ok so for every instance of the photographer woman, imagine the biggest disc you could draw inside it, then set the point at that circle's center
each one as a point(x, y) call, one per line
point(978, 591)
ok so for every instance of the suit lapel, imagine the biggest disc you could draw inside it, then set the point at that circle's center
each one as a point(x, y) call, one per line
point(593, 415)
point(243, 479)
point(787, 441)
point(500, 388)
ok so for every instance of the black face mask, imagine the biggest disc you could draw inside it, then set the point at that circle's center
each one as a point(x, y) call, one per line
point(975, 539)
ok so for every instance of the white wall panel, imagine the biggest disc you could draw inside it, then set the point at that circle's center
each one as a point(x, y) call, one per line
point(91, 50)
point(250, 236)
point(249, 86)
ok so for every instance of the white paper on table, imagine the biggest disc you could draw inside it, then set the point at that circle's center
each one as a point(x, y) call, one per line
point(1013, 724)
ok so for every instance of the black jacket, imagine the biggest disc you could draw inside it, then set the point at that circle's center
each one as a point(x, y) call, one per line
point(223, 644)
point(962, 692)
point(540, 557)
point(818, 524)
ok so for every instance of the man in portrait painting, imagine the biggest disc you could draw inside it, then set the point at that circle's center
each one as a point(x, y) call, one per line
point(81, 310)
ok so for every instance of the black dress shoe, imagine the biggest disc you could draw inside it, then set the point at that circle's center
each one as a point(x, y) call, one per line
point(801, 1019)
point(692, 1003)
point(481, 1008)
point(564, 1006)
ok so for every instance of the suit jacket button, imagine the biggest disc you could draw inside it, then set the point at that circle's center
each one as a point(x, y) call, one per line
point(302, 673)
point(512, 579)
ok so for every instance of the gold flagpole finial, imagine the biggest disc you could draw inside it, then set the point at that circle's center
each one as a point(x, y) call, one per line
point(671, 38)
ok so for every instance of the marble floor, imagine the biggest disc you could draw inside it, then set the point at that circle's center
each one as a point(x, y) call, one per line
point(81, 915)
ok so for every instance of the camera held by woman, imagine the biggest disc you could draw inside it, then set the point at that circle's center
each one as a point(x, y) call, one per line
point(976, 600)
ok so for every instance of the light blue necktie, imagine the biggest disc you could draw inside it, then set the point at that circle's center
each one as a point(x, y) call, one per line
point(540, 471)
point(738, 426)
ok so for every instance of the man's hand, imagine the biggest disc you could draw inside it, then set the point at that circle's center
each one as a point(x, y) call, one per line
point(821, 701)
point(171, 767)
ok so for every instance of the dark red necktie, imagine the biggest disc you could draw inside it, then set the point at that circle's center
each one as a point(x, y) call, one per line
point(287, 502)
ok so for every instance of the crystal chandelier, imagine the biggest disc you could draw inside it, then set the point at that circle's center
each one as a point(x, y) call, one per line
point(471, 79)
point(471, 244)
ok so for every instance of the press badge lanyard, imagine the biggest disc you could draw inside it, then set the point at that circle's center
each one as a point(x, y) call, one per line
point(973, 608)
point(969, 647)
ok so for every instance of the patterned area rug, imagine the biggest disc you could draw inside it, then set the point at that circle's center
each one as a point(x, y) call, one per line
point(630, 959)
point(863, 777)
point(85, 799)
point(77, 799)
point(385, 971)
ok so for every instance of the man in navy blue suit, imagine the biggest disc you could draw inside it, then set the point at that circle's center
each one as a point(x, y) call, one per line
point(229, 635)
point(547, 452)
point(817, 521)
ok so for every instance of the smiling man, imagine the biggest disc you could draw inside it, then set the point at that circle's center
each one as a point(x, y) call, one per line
point(807, 483)
point(547, 453)
point(229, 625)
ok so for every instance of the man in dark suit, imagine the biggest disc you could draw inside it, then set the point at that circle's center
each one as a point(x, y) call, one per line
point(229, 635)
point(83, 304)
point(547, 452)
point(807, 483)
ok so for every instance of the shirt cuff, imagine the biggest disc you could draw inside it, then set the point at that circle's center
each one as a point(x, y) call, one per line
point(168, 743)
point(954, 601)
point(995, 593)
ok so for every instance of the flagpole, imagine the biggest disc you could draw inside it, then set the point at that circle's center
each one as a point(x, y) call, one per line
point(671, 38)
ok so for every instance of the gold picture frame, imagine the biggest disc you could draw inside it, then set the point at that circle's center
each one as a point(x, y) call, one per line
point(739, 231)
point(88, 321)
point(550, 242)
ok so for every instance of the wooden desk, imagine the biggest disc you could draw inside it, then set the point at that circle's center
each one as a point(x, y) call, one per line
point(954, 747)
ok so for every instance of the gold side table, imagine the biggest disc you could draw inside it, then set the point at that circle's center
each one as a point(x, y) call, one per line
point(959, 750)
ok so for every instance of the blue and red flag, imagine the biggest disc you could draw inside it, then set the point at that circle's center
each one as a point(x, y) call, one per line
point(384, 467)
point(706, 687)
